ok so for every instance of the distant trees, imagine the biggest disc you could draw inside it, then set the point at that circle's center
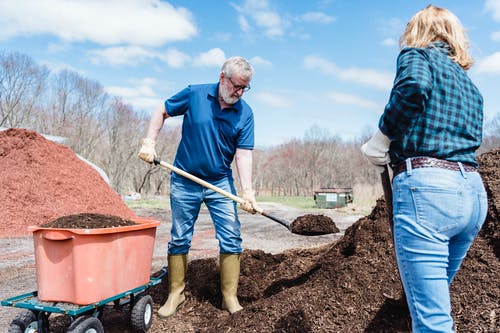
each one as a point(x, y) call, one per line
point(106, 131)
point(491, 138)
point(22, 82)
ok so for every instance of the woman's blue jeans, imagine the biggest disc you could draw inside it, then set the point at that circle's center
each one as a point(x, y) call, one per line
point(437, 215)
point(186, 198)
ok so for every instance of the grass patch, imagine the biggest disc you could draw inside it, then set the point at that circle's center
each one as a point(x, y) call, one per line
point(362, 203)
point(297, 202)
point(162, 202)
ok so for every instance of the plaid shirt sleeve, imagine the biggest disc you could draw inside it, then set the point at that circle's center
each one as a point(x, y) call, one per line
point(411, 90)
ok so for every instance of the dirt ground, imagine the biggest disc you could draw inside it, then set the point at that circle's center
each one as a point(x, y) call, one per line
point(291, 283)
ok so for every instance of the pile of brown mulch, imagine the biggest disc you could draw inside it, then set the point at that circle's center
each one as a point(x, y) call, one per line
point(340, 287)
point(489, 166)
point(88, 221)
point(310, 225)
point(42, 181)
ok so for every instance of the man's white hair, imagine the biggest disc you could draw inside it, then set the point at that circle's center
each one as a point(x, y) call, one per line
point(237, 65)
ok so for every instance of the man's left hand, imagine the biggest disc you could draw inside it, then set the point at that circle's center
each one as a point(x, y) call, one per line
point(250, 204)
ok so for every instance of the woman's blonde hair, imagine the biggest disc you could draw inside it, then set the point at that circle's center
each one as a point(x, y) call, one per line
point(435, 24)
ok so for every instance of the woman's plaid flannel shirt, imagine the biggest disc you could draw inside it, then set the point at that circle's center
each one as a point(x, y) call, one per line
point(434, 108)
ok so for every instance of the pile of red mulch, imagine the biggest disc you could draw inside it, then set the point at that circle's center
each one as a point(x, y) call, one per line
point(42, 181)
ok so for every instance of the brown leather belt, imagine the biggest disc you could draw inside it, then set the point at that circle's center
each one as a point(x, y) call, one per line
point(429, 162)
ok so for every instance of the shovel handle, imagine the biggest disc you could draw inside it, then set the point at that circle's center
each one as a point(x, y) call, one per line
point(387, 187)
point(199, 181)
point(219, 190)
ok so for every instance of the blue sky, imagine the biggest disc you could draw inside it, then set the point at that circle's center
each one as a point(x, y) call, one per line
point(324, 63)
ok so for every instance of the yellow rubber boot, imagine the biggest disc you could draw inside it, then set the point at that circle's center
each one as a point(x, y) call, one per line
point(229, 278)
point(177, 267)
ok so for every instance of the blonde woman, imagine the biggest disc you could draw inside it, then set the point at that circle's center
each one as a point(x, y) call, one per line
point(429, 132)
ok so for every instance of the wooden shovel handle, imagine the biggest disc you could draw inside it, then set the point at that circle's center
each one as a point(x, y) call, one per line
point(199, 181)
point(220, 191)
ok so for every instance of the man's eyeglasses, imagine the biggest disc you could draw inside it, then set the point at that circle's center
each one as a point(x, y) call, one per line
point(236, 87)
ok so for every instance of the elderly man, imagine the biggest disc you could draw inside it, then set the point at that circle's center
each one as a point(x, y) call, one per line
point(218, 126)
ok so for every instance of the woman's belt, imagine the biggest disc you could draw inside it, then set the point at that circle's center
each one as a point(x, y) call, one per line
point(430, 162)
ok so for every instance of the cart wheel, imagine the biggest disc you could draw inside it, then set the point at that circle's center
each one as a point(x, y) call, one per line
point(142, 314)
point(24, 322)
point(86, 324)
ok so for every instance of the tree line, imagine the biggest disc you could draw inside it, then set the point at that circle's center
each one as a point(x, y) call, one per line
point(105, 130)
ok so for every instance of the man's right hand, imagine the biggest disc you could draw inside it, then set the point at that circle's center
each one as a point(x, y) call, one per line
point(147, 152)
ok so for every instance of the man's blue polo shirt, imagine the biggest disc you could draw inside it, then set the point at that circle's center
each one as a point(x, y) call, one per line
point(210, 135)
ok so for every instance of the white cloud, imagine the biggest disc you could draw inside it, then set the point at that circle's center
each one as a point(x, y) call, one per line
point(148, 81)
point(110, 22)
point(223, 36)
point(348, 99)
point(263, 16)
point(212, 58)
point(317, 17)
point(244, 25)
point(273, 100)
point(389, 42)
point(493, 7)
point(141, 96)
point(369, 77)
point(495, 36)
point(134, 55)
point(320, 64)
point(489, 64)
point(259, 61)
point(57, 67)
point(121, 55)
point(176, 59)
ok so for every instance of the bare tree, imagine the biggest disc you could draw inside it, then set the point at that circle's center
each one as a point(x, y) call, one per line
point(491, 137)
point(21, 84)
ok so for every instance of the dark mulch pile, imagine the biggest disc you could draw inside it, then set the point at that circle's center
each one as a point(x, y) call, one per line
point(88, 221)
point(339, 287)
point(489, 168)
point(310, 225)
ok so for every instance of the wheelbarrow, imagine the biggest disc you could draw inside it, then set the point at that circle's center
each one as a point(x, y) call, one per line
point(84, 318)
point(80, 272)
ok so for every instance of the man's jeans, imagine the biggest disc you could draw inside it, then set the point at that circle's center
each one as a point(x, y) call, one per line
point(186, 198)
point(437, 215)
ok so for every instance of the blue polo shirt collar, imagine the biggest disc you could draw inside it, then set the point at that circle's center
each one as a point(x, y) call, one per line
point(214, 93)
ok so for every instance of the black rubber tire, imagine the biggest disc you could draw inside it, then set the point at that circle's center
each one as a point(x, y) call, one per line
point(86, 324)
point(76, 322)
point(141, 316)
point(22, 321)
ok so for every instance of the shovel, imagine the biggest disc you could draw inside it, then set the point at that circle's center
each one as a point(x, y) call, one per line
point(387, 187)
point(231, 196)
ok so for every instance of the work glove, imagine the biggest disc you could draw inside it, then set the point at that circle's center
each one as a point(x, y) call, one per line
point(250, 205)
point(147, 152)
point(377, 149)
